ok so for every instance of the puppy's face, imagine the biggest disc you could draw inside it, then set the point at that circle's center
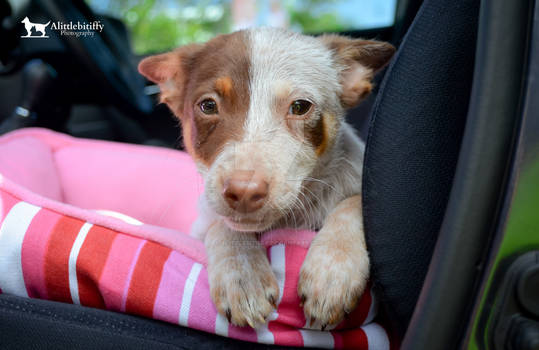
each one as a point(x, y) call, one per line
point(260, 109)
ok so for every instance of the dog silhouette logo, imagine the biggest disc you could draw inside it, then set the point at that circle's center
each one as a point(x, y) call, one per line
point(37, 27)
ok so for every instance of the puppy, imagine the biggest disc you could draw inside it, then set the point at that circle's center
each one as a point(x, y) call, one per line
point(38, 27)
point(262, 112)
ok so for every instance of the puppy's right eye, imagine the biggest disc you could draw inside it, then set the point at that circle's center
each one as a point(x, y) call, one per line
point(208, 106)
point(300, 107)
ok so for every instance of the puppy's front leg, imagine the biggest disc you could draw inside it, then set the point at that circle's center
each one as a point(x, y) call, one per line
point(335, 271)
point(242, 284)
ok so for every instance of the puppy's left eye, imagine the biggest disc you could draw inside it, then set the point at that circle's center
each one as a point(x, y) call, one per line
point(300, 107)
point(208, 106)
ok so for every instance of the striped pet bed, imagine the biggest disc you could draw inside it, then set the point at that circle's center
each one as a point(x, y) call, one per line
point(56, 244)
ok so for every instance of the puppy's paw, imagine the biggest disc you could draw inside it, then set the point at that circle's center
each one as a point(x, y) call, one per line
point(332, 280)
point(244, 288)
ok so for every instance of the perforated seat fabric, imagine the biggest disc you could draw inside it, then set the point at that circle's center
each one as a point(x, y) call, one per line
point(414, 138)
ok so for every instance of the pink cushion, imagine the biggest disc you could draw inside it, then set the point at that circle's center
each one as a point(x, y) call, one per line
point(96, 174)
point(55, 245)
point(31, 162)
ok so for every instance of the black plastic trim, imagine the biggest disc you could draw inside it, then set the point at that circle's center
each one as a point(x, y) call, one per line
point(514, 298)
point(442, 311)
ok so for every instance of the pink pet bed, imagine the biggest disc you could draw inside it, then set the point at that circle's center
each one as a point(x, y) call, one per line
point(62, 238)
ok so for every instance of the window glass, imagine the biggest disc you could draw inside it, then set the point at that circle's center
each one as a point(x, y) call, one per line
point(159, 25)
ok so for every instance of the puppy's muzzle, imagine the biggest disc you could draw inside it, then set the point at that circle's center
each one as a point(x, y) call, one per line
point(245, 191)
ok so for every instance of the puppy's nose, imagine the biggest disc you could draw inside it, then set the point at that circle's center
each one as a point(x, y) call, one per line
point(245, 191)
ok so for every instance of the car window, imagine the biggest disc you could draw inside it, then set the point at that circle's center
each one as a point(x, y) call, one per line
point(159, 25)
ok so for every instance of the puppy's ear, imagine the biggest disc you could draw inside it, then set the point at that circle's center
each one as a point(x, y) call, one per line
point(359, 60)
point(170, 71)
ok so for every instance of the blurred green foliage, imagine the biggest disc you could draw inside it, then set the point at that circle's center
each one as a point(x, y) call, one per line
point(159, 25)
point(307, 17)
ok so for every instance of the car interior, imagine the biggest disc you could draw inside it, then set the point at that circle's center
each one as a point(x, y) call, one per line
point(439, 125)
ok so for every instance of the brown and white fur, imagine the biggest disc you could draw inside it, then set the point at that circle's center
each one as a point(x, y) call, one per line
point(283, 169)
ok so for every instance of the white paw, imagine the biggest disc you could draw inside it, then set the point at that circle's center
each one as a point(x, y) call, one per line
point(332, 280)
point(244, 288)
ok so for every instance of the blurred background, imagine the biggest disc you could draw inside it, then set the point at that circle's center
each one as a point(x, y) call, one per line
point(159, 25)
point(89, 86)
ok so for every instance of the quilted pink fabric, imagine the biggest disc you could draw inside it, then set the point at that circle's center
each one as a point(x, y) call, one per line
point(54, 244)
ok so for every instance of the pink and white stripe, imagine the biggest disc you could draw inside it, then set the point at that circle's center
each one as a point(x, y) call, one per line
point(12, 231)
point(181, 284)
point(73, 283)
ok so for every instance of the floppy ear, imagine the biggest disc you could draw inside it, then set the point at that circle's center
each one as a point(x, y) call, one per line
point(169, 70)
point(360, 60)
